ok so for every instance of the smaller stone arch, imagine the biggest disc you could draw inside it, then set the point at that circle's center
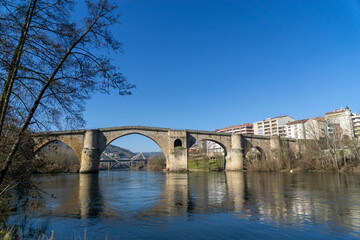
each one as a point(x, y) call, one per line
point(253, 153)
point(57, 156)
point(41, 143)
point(256, 152)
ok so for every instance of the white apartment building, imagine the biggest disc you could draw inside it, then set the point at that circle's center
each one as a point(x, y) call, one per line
point(343, 117)
point(272, 126)
point(213, 147)
point(356, 125)
point(313, 128)
point(207, 147)
point(295, 129)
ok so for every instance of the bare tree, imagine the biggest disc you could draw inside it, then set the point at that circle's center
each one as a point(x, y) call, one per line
point(49, 65)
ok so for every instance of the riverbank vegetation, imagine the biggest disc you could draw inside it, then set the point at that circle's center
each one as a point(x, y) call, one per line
point(206, 163)
point(329, 154)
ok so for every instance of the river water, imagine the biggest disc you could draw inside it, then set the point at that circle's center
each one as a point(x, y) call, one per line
point(195, 205)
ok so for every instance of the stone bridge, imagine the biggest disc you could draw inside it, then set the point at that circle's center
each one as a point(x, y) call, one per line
point(90, 144)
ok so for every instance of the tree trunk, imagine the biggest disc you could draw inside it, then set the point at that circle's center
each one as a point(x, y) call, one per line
point(14, 66)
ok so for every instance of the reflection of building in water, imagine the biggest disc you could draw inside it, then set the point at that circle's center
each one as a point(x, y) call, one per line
point(299, 198)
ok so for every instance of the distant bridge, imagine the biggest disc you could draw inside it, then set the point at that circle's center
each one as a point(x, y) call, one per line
point(137, 157)
point(90, 144)
point(113, 162)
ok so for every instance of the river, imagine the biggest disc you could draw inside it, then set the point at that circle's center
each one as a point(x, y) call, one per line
point(195, 205)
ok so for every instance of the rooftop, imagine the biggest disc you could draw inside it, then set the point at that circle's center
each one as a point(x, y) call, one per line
point(338, 110)
point(297, 122)
point(236, 126)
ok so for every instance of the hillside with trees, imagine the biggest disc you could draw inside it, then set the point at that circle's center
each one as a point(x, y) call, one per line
point(116, 152)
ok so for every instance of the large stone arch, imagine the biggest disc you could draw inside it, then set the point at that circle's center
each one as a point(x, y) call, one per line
point(159, 137)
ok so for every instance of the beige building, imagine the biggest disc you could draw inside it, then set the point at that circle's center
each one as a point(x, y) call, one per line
point(246, 128)
point(343, 117)
point(315, 128)
point(272, 126)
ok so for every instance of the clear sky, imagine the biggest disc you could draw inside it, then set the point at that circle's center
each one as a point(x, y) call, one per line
point(210, 64)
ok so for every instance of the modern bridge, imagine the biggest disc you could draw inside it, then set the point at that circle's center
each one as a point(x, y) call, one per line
point(88, 145)
point(113, 162)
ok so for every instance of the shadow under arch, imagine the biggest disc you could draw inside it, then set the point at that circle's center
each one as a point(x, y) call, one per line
point(253, 152)
point(39, 147)
point(112, 139)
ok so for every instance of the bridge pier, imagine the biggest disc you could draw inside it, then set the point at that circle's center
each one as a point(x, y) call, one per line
point(235, 160)
point(178, 154)
point(90, 155)
point(275, 147)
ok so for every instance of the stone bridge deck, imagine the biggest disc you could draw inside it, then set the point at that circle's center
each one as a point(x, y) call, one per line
point(88, 144)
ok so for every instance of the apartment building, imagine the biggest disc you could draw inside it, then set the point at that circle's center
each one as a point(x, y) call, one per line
point(295, 129)
point(356, 125)
point(246, 128)
point(334, 130)
point(343, 117)
point(315, 128)
point(312, 128)
point(213, 147)
point(272, 126)
point(207, 147)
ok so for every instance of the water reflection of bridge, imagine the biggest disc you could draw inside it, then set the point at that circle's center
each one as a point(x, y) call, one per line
point(290, 198)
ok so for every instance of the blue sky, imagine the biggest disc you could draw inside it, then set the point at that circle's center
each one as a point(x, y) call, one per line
point(211, 64)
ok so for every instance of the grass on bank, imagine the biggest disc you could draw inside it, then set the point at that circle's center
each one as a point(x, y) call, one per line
point(205, 163)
